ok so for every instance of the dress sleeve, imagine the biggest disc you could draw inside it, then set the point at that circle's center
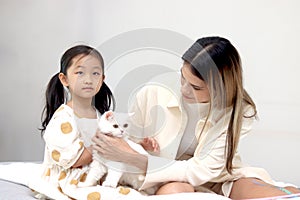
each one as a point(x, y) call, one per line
point(138, 116)
point(63, 143)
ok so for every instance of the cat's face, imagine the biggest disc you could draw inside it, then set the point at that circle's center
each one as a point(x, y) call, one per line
point(109, 125)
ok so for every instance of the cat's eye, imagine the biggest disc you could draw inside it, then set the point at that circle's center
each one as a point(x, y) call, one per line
point(125, 125)
point(115, 126)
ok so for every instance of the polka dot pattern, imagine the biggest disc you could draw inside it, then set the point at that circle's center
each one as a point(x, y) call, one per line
point(73, 182)
point(81, 144)
point(62, 175)
point(124, 191)
point(66, 127)
point(94, 196)
point(83, 177)
point(55, 155)
point(59, 189)
point(47, 172)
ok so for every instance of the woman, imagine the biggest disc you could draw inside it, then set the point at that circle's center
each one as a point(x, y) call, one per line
point(199, 132)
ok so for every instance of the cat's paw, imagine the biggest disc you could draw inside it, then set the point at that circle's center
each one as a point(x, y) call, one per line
point(86, 184)
point(110, 184)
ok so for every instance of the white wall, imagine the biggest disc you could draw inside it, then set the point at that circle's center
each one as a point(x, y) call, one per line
point(34, 34)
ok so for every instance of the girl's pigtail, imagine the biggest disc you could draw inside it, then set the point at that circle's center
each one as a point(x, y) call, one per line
point(54, 98)
point(104, 99)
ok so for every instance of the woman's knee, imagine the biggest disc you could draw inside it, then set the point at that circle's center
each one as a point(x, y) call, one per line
point(175, 187)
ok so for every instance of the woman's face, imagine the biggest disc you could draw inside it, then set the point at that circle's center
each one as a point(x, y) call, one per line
point(193, 89)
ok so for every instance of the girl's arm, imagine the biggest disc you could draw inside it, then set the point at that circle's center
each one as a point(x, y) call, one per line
point(84, 159)
point(64, 145)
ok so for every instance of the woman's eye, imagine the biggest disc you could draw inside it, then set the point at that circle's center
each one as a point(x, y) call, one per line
point(197, 88)
point(97, 73)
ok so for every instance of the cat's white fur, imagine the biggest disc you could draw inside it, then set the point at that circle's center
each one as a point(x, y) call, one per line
point(116, 172)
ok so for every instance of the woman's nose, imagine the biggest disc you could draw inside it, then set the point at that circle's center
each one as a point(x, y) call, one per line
point(186, 88)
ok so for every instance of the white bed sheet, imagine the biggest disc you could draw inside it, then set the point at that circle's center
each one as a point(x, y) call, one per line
point(15, 176)
point(19, 173)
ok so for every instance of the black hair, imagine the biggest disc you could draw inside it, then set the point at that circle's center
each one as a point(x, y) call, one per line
point(55, 93)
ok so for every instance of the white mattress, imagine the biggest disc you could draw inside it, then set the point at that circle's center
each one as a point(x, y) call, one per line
point(14, 178)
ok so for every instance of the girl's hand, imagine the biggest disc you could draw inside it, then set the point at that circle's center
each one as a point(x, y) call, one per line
point(150, 144)
point(112, 148)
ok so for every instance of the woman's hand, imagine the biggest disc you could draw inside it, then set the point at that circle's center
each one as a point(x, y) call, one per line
point(117, 149)
point(150, 144)
point(111, 148)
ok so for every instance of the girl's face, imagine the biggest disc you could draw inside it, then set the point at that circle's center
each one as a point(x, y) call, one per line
point(193, 89)
point(84, 77)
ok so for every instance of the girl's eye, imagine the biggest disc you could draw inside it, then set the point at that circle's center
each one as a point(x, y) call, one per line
point(79, 72)
point(97, 73)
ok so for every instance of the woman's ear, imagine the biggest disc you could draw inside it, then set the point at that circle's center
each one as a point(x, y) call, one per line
point(63, 79)
point(103, 76)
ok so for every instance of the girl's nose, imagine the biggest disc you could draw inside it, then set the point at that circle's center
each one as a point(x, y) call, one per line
point(87, 79)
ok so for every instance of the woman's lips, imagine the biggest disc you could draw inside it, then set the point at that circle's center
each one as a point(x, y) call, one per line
point(186, 97)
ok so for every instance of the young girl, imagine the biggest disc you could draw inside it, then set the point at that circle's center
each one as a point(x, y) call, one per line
point(75, 98)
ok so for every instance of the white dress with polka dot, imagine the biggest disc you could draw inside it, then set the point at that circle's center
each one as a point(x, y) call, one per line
point(65, 138)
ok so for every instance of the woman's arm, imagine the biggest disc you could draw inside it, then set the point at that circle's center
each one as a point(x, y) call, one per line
point(117, 149)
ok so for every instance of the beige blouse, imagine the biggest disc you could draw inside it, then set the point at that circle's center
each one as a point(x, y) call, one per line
point(158, 113)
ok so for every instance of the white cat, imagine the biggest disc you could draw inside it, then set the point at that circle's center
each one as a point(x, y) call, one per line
point(116, 172)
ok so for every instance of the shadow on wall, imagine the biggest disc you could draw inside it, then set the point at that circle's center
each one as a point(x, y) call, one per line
point(274, 152)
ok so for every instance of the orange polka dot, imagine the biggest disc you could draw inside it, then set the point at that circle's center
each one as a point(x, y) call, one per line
point(81, 144)
point(62, 175)
point(94, 196)
point(55, 155)
point(47, 172)
point(73, 182)
point(124, 191)
point(66, 127)
point(59, 189)
point(82, 177)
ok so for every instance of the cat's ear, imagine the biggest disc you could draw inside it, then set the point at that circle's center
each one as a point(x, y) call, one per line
point(109, 115)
